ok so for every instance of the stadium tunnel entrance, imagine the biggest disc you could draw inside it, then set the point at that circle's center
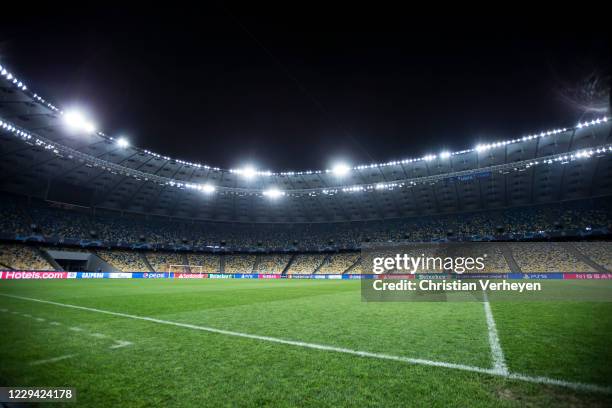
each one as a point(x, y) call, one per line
point(71, 260)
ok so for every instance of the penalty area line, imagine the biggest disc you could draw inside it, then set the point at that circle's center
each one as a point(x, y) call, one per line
point(494, 372)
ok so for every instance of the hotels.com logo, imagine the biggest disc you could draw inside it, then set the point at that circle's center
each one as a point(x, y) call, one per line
point(34, 275)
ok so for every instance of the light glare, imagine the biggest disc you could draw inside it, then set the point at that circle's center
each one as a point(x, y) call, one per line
point(208, 188)
point(249, 172)
point(341, 169)
point(89, 127)
point(273, 193)
point(74, 119)
point(123, 142)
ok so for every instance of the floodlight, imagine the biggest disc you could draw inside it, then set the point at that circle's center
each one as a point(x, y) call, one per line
point(249, 172)
point(273, 193)
point(122, 142)
point(208, 188)
point(341, 169)
point(74, 119)
point(445, 155)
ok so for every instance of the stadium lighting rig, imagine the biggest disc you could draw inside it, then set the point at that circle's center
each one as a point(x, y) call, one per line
point(64, 151)
point(340, 170)
point(122, 142)
point(580, 125)
point(273, 193)
point(205, 188)
point(208, 188)
point(250, 172)
point(76, 120)
point(12, 78)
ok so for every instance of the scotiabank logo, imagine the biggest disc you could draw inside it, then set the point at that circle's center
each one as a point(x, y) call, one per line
point(34, 275)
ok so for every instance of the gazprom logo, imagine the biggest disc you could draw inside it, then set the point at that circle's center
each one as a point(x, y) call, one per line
point(92, 275)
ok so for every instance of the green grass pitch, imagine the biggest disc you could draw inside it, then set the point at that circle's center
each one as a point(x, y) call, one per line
point(120, 361)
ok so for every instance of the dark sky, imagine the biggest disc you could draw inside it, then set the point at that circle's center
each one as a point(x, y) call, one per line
point(292, 90)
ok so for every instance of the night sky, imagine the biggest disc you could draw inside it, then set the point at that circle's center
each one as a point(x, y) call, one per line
point(291, 90)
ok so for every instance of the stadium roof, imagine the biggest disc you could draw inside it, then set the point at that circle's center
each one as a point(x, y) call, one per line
point(43, 157)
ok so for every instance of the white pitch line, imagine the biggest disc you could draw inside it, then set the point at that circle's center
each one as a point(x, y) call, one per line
point(52, 360)
point(117, 343)
point(512, 376)
point(497, 354)
point(121, 343)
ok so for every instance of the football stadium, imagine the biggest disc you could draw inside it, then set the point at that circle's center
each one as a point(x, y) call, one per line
point(132, 278)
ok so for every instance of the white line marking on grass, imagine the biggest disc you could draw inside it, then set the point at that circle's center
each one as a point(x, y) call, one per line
point(40, 319)
point(497, 354)
point(52, 360)
point(121, 343)
point(26, 315)
point(489, 371)
point(4, 310)
point(561, 383)
point(98, 335)
point(76, 329)
point(55, 323)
